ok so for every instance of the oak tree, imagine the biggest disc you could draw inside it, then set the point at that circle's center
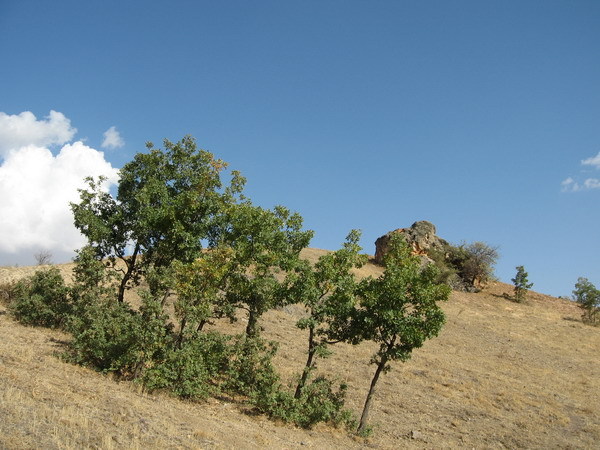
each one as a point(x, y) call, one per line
point(399, 311)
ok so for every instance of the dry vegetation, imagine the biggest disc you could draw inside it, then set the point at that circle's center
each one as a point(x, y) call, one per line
point(500, 375)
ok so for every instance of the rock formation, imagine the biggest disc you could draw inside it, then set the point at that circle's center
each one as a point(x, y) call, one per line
point(420, 236)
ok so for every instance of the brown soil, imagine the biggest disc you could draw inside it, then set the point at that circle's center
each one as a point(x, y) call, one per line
point(500, 375)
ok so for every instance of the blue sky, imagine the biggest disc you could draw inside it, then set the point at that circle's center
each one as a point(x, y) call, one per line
point(475, 115)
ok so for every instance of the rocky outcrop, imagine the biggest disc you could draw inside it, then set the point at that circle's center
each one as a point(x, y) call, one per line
point(420, 236)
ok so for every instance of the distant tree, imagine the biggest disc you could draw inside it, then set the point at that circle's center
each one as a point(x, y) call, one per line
point(43, 257)
point(327, 290)
point(521, 283)
point(398, 310)
point(265, 244)
point(477, 260)
point(167, 205)
point(588, 298)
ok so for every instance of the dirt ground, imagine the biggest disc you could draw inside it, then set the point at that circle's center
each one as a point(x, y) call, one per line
point(500, 375)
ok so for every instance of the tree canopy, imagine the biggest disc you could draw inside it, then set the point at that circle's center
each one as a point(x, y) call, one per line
point(168, 203)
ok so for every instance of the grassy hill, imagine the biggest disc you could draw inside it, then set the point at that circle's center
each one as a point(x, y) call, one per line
point(500, 375)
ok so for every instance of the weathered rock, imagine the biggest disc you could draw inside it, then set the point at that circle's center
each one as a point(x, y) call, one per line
point(420, 236)
point(417, 435)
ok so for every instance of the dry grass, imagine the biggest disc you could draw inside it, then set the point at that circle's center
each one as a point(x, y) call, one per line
point(500, 375)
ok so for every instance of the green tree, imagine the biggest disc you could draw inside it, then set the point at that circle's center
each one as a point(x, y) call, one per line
point(265, 244)
point(168, 202)
point(588, 298)
point(327, 290)
point(398, 310)
point(521, 283)
point(200, 287)
point(476, 262)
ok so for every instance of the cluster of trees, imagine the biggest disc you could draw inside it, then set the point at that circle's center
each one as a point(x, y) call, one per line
point(465, 267)
point(197, 251)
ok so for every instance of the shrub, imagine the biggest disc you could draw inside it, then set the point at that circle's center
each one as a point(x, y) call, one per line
point(112, 337)
point(7, 292)
point(193, 370)
point(250, 371)
point(318, 402)
point(41, 299)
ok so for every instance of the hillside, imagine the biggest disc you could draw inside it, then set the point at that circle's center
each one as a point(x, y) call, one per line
point(500, 375)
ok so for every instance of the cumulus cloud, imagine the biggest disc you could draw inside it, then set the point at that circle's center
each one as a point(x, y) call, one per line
point(571, 185)
point(37, 185)
point(593, 161)
point(24, 129)
point(112, 139)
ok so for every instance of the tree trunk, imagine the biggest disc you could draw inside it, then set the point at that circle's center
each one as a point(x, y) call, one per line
point(312, 348)
point(365, 414)
point(181, 329)
point(252, 327)
point(384, 359)
point(130, 267)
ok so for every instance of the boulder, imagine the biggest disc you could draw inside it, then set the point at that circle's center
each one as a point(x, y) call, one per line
point(420, 236)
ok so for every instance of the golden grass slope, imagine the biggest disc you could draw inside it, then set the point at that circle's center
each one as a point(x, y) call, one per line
point(500, 375)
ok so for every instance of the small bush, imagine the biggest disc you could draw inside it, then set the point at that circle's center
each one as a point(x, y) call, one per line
point(112, 337)
point(319, 402)
point(42, 299)
point(250, 371)
point(194, 369)
point(7, 292)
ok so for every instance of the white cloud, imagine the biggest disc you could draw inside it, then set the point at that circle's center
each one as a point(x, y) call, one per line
point(592, 183)
point(36, 187)
point(112, 139)
point(593, 161)
point(24, 129)
point(570, 185)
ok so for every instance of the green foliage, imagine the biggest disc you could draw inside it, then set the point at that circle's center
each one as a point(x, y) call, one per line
point(111, 337)
point(42, 299)
point(466, 266)
point(398, 310)
point(588, 298)
point(200, 287)
point(250, 371)
point(264, 243)
point(194, 369)
point(319, 402)
point(521, 283)
point(168, 201)
point(477, 262)
point(92, 283)
point(327, 290)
